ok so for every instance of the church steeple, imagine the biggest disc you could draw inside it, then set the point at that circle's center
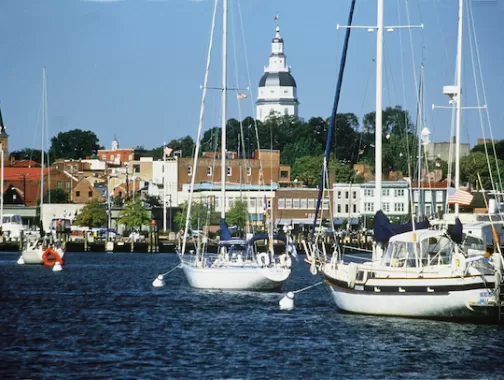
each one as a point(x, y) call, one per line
point(115, 143)
point(277, 46)
point(4, 137)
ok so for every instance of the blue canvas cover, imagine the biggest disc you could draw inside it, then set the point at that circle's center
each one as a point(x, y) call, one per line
point(455, 231)
point(224, 233)
point(384, 230)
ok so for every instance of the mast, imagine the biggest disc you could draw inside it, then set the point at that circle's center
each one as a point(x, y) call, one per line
point(164, 186)
point(379, 107)
point(224, 104)
point(44, 121)
point(458, 100)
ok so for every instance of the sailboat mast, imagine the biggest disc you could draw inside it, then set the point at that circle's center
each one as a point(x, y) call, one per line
point(458, 100)
point(224, 104)
point(379, 108)
point(44, 110)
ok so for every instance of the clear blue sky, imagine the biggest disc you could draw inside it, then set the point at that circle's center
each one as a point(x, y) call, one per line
point(133, 68)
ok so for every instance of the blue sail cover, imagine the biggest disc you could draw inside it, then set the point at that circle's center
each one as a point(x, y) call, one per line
point(224, 233)
point(384, 230)
point(455, 231)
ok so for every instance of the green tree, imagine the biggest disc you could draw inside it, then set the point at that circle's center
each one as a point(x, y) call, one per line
point(74, 144)
point(476, 163)
point(308, 170)
point(134, 214)
point(184, 144)
point(499, 149)
point(237, 215)
point(56, 196)
point(201, 214)
point(93, 214)
point(29, 154)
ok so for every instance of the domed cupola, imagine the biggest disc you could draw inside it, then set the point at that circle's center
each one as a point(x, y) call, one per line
point(277, 93)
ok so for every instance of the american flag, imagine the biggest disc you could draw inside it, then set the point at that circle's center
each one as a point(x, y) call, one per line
point(457, 196)
point(241, 96)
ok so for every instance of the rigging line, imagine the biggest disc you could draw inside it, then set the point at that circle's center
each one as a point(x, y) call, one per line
point(443, 37)
point(362, 106)
point(200, 125)
point(484, 92)
point(334, 112)
point(476, 87)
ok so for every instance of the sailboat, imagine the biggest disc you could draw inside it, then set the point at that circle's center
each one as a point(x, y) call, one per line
point(420, 272)
point(45, 249)
point(237, 265)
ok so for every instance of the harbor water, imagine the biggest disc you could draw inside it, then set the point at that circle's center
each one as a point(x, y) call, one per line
point(101, 318)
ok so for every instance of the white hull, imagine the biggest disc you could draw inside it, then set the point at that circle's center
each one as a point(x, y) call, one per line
point(34, 255)
point(236, 277)
point(418, 298)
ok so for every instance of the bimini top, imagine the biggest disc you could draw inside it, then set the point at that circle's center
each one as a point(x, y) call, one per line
point(265, 237)
point(283, 79)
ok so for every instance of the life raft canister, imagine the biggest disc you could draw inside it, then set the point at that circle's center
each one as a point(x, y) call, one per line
point(50, 257)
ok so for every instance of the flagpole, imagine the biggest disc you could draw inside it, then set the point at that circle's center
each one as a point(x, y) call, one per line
point(164, 187)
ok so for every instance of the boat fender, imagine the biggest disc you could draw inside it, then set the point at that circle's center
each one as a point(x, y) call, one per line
point(263, 259)
point(285, 260)
point(352, 275)
point(458, 264)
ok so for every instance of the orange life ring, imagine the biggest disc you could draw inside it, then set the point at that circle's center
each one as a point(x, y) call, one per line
point(50, 257)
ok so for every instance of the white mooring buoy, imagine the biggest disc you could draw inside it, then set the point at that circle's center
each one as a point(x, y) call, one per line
point(21, 260)
point(57, 267)
point(287, 303)
point(158, 282)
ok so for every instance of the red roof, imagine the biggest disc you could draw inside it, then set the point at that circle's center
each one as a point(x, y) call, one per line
point(15, 173)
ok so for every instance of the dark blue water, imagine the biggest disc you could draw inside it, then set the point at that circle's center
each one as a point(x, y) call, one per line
point(101, 318)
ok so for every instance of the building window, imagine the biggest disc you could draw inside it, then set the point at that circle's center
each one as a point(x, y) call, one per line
point(67, 184)
point(303, 203)
point(90, 193)
point(346, 194)
point(111, 157)
point(249, 171)
point(399, 207)
point(311, 203)
point(355, 195)
point(346, 209)
point(77, 193)
point(369, 207)
point(295, 203)
point(209, 171)
point(284, 174)
point(189, 171)
point(269, 204)
point(59, 185)
point(229, 171)
point(339, 209)
point(368, 192)
point(399, 193)
point(385, 192)
point(131, 157)
point(104, 157)
point(325, 204)
point(286, 112)
point(281, 203)
point(288, 203)
point(354, 208)
point(386, 207)
point(339, 194)
point(136, 168)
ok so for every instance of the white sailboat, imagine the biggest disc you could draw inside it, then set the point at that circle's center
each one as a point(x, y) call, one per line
point(45, 249)
point(422, 273)
point(237, 265)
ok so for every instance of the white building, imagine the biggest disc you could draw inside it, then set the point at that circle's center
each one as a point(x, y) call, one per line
point(395, 198)
point(169, 182)
point(277, 92)
point(347, 205)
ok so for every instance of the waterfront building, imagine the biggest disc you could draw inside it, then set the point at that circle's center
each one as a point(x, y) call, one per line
point(277, 93)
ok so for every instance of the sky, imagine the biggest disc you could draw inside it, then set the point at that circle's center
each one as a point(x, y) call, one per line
point(133, 68)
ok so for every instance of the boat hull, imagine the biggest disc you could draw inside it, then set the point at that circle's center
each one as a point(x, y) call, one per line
point(468, 298)
point(34, 256)
point(236, 278)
